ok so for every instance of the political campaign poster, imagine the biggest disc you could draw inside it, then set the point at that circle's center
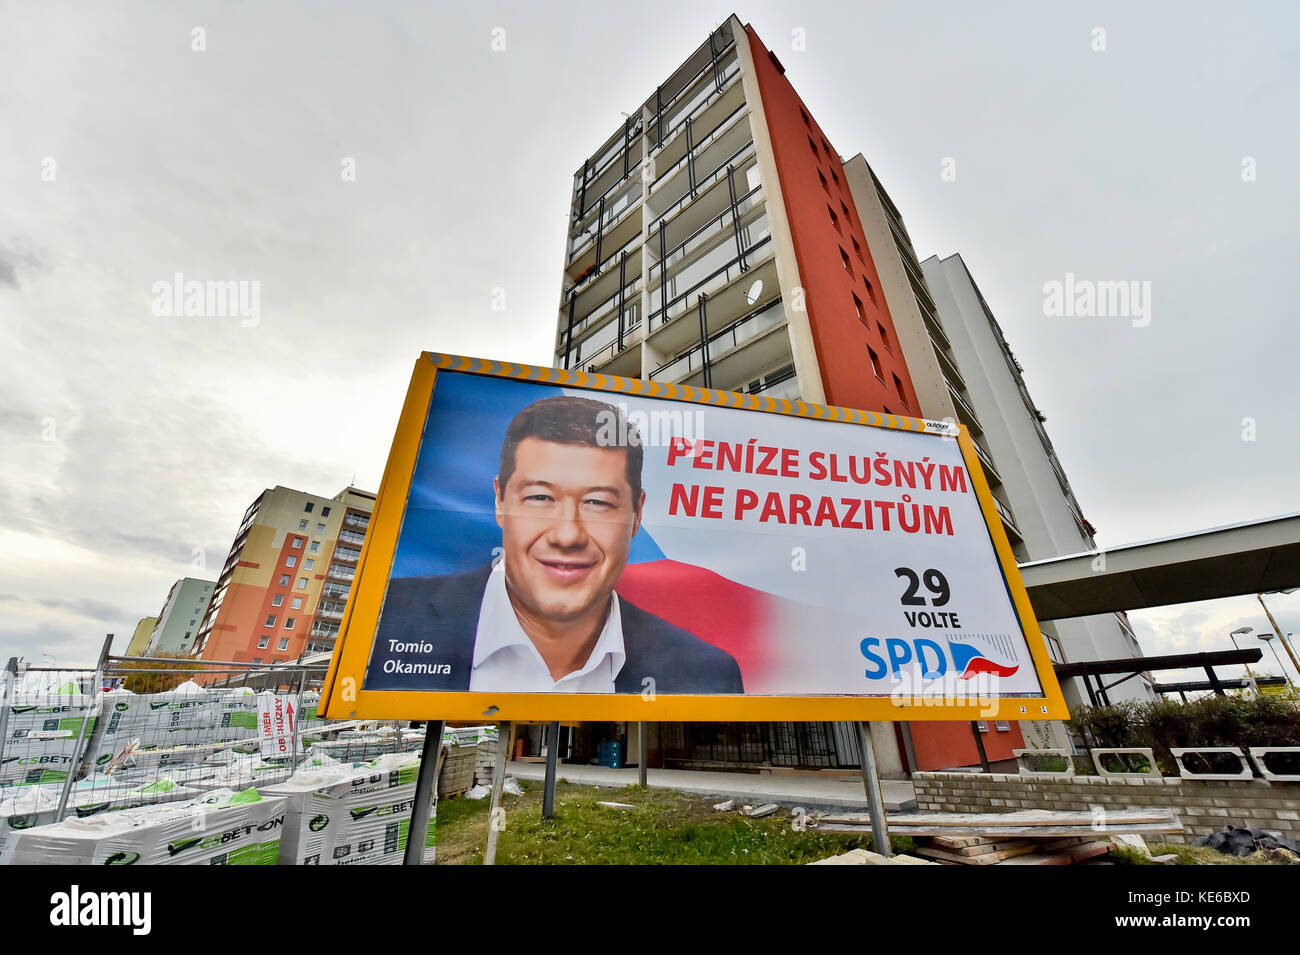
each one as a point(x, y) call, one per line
point(559, 545)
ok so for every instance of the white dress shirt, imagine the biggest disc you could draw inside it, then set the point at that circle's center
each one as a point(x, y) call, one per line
point(506, 661)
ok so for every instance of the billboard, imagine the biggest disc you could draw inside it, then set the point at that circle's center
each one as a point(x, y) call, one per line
point(561, 545)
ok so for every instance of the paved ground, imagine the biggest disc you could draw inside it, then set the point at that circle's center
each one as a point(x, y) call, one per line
point(810, 790)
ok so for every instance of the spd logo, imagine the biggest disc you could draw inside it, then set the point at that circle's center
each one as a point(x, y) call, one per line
point(962, 659)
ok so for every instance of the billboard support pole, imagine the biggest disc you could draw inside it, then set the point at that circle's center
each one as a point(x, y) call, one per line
point(875, 800)
point(425, 783)
point(495, 818)
point(7, 699)
point(642, 774)
point(552, 758)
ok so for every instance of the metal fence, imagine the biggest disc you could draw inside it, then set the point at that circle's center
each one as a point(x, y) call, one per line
point(139, 731)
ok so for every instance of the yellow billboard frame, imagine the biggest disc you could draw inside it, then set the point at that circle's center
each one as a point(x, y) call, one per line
point(342, 696)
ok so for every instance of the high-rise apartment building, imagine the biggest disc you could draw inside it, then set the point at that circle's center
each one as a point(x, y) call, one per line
point(178, 624)
point(287, 578)
point(1049, 518)
point(717, 239)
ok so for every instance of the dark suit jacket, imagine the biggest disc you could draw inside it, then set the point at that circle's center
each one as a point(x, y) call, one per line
point(444, 611)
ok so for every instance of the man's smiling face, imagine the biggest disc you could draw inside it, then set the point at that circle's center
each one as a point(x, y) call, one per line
point(567, 519)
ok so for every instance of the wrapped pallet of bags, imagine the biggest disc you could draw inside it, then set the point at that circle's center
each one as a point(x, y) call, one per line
point(236, 715)
point(221, 828)
point(42, 732)
point(352, 815)
point(22, 808)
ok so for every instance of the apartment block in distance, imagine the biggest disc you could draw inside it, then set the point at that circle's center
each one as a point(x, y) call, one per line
point(1049, 519)
point(178, 623)
point(287, 578)
point(717, 239)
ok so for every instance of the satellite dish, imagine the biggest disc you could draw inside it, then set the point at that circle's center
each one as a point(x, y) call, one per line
point(755, 291)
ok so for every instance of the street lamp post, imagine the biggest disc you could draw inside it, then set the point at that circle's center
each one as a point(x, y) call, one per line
point(1268, 638)
point(1249, 676)
point(1286, 644)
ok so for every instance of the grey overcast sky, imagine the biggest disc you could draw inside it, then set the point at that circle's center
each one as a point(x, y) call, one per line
point(132, 443)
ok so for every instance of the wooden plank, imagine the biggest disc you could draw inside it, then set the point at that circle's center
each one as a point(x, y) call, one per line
point(958, 842)
point(1009, 832)
point(984, 858)
point(1026, 818)
point(1039, 858)
point(998, 845)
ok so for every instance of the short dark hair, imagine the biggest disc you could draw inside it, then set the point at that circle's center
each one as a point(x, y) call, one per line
point(567, 419)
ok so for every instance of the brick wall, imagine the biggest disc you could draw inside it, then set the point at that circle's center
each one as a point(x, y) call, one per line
point(1204, 806)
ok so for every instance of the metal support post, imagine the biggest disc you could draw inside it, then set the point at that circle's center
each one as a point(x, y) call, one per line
point(875, 800)
point(426, 783)
point(7, 700)
point(495, 824)
point(642, 748)
point(74, 766)
point(552, 758)
point(979, 744)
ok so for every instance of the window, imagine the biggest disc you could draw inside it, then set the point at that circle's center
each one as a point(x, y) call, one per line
point(263, 642)
point(1003, 726)
point(857, 307)
point(288, 623)
point(983, 726)
point(302, 583)
point(270, 620)
point(257, 661)
point(297, 543)
point(898, 386)
point(871, 289)
point(812, 145)
point(297, 603)
point(291, 561)
point(884, 336)
point(194, 621)
point(844, 257)
point(308, 564)
point(307, 509)
point(833, 176)
point(302, 524)
point(845, 209)
point(324, 512)
point(875, 364)
point(284, 643)
point(826, 146)
point(856, 248)
point(320, 528)
point(825, 184)
point(277, 600)
point(284, 580)
point(314, 546)
point(835, 221)
point(804, 113)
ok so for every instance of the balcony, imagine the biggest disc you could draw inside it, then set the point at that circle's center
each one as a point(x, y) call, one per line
point(625, 201)
point(932, 323)
point(965, 412)
point(986, 459)
point(950, 370)
point(616, 359)
point(706, 109)
point(723, 146)
point(732, 291)
point(735, 352)
point(354, 519)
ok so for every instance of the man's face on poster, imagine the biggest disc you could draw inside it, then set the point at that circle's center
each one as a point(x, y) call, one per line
point(567, 517)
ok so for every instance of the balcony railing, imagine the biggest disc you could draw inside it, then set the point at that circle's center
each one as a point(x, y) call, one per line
point(682, 302)
point(704, 97)
point(721, 344)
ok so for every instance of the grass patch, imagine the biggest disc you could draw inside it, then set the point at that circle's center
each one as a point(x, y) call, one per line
point(1193, 855)
point(664, 828)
